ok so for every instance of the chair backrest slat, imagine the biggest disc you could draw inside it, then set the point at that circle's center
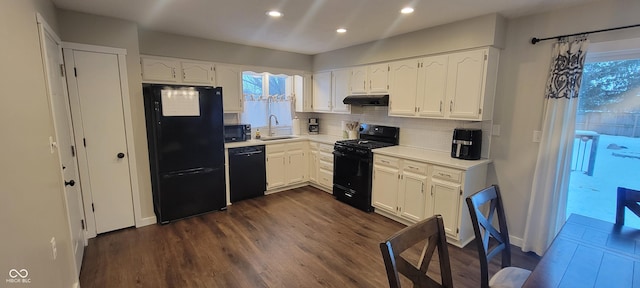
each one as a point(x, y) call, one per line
point(484, 229)
point(431, 230)
point(628, 198)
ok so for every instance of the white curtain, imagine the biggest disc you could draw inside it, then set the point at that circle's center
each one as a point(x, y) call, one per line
point(551, 178)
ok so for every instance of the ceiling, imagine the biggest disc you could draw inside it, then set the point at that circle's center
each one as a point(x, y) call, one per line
point(307, 26)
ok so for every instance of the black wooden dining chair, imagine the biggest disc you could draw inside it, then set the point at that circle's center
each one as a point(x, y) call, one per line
point(430, 229)
point(627, 198)
point(484, 230)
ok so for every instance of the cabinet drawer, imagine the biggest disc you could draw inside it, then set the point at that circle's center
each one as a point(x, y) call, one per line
point(386, 161)
point(415, 167)
point(327, 157)
point(325, 148)
point(326, 166)
point(325, 178)
point(271, 148)
point(295, 146)
point(447, 174)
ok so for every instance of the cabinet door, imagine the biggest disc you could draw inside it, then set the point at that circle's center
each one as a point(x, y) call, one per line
point(160, 70)
point(412, 197)
point(403, 84)
point(358, 80)
point(432, 86)
point(296, 166)
point(275, 169)
point(313, 166)
point(465, 84)
point(230, 79)
point(197, 73)
point(303, 97)
point(385, 189)
point(340, 90)
point(322, 92)
point(446, 202)
point(378, 77)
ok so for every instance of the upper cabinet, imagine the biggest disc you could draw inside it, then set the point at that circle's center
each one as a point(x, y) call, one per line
point(303, 87)
point(372, 79)
point(188, 72)
point(452, 86)
point(340, 90)
point(160, 70)
point(197, 72)
point(229, 77)
point(322, 91)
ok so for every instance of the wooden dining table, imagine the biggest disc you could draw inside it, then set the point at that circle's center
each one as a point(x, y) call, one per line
point(590, 253)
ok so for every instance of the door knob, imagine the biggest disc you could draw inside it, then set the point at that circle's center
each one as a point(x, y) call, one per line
point(120, 155)
point(70, 183)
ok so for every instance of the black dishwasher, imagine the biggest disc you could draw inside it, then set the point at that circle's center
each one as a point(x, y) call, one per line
point(247, 172)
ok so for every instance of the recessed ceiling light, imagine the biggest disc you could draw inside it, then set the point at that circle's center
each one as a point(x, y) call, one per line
point(274, 13)
point(406, 10)
point(341, 30)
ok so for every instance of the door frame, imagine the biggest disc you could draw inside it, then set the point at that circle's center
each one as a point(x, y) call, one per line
point(68, 48)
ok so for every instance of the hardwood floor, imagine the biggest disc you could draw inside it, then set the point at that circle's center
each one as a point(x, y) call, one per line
point(297, 238)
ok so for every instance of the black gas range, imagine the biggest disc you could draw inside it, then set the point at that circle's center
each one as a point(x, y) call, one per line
point(353, 164)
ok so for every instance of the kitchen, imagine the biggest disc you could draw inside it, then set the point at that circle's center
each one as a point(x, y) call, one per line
point(521, 78)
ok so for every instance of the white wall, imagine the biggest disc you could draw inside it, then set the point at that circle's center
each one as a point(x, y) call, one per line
point(172, 45)
point(32, 207)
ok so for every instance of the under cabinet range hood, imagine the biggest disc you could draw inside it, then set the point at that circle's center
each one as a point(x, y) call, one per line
point(367, 100)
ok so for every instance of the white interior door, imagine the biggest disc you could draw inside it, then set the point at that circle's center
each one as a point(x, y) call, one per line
point(99, 100)
point(52, 53)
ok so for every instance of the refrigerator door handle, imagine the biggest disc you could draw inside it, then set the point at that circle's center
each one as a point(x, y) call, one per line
point(194, 171)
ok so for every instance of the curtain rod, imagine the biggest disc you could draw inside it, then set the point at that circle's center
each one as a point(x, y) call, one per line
point(535, 40)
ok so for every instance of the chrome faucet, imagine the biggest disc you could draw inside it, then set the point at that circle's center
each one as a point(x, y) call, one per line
point(277, 123)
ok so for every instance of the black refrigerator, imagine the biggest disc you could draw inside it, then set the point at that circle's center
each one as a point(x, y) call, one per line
point(185, 135)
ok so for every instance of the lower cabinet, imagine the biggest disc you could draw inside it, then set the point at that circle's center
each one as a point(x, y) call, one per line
point(409, 191)
point(321, 166)
point(286, 164)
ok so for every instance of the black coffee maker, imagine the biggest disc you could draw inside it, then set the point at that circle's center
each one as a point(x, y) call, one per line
point(466, 144)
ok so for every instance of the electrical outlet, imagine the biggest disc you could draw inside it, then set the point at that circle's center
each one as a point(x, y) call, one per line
point(54, 249)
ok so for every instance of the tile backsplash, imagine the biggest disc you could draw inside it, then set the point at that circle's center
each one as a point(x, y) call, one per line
point(432, 134)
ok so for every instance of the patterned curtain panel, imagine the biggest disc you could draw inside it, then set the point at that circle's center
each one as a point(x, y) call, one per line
point(547, 206)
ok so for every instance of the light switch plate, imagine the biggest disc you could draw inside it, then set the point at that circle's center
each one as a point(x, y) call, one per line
point(537, 136)
point(495, 130)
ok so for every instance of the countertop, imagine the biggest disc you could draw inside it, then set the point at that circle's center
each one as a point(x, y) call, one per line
point(430, 156)
point(325, 139)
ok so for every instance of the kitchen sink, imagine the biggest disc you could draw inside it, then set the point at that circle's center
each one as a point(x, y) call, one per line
point(277, 137)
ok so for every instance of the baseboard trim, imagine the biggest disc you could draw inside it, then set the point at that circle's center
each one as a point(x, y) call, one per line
point(146, 221)
point(516, 241)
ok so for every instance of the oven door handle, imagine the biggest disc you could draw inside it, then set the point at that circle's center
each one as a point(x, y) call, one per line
point(345, 155)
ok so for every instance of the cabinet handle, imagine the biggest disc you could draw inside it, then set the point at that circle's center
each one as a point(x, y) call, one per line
point(369, 84)
point(422, 188)
point(414, 168)
point(451, 106)
point(440, 105)
point(173, 72)
point(184, 75)
point(364, 85)
point(384, 161)
point(431, 190)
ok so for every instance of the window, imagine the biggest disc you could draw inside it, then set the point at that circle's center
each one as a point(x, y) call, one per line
point(267, 94)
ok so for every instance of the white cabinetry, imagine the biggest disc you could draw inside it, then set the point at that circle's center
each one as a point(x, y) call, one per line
point(408, 191)
point(325, 167)
point(452, 86)
point(340, 90)
point(160, 70)
point(286, 164)
point(399, 188)
point(303, 93)
point(322, 92)
point(313, 162)
point(197, 72)
point(372, 79)
point(180, 71)
point(229, 77)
